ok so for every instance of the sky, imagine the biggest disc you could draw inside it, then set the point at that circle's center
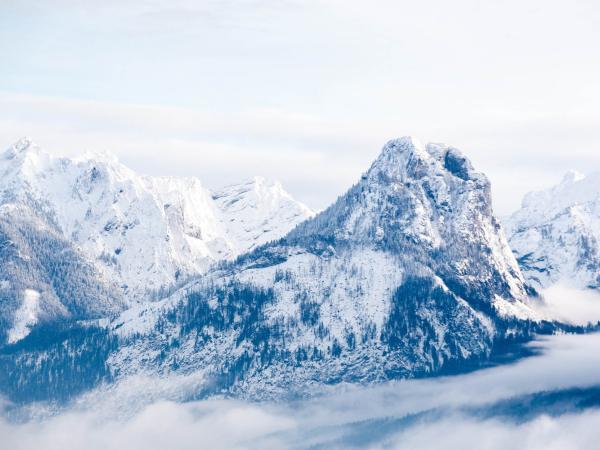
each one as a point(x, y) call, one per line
point(494, 408)
point(306, 92)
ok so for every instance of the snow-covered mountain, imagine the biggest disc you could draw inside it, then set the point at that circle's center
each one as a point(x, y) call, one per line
point(256, 212)
point(137, 235)
point(556, 233)
point(406, 274)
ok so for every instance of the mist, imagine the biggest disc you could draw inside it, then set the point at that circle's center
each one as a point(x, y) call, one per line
point(542, 402)
point(570, 305)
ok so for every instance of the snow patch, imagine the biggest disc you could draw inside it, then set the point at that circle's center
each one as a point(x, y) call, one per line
point(25, 317)
point(517, 309)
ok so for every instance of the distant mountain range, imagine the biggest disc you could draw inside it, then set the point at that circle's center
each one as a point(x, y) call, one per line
point(556, 233)
point(245, 291)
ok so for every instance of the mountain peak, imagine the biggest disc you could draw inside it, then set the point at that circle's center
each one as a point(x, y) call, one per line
point(402, 144)
point(23, 143)
point(257, 186)
point(259, 182)
point(396, 155)
point(555, 233)
point(145, 232)
point(417, 199)
point(406, 158)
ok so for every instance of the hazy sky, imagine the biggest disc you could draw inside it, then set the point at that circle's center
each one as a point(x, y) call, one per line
point(307, 91)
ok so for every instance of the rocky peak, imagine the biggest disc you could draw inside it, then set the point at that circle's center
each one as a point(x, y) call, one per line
point(20, 146)
point(406, 158)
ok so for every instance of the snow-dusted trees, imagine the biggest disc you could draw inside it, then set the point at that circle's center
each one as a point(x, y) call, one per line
point(55, 362)
point(36, 257)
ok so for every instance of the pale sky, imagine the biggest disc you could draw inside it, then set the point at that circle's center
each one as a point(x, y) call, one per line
point(306, 92)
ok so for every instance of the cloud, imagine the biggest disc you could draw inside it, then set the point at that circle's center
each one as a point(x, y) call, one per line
point(210, 424)
point(442, 413)
point(572, 431)
point(569, 305)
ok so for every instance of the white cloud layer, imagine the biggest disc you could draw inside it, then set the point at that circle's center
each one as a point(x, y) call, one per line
point(443, 413)
point(567, 304)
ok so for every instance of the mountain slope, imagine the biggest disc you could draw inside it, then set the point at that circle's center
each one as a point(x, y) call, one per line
point(556, 233)
point(257, 211)
point(44, 278)
point(407, 274)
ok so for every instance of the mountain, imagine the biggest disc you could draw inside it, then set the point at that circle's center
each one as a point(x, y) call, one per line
point(407, 274)
point(556, 233)
point(114, 237)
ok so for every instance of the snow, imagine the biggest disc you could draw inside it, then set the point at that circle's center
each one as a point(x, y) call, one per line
point(26, 316)
point(258, 211)
point(421, 211)
point(350, 286)
point(142, 318)
point(449, 203)
point(353, 290)
point(523, 310)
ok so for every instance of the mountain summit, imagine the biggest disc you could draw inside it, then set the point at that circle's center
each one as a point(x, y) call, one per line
point(426, 202)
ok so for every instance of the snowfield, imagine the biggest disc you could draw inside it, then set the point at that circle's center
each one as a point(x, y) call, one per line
point(25, 317)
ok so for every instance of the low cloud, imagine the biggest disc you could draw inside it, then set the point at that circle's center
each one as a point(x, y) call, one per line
point(210, 424)
point(449, 413)
point(572, 431)
point(569, 305)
